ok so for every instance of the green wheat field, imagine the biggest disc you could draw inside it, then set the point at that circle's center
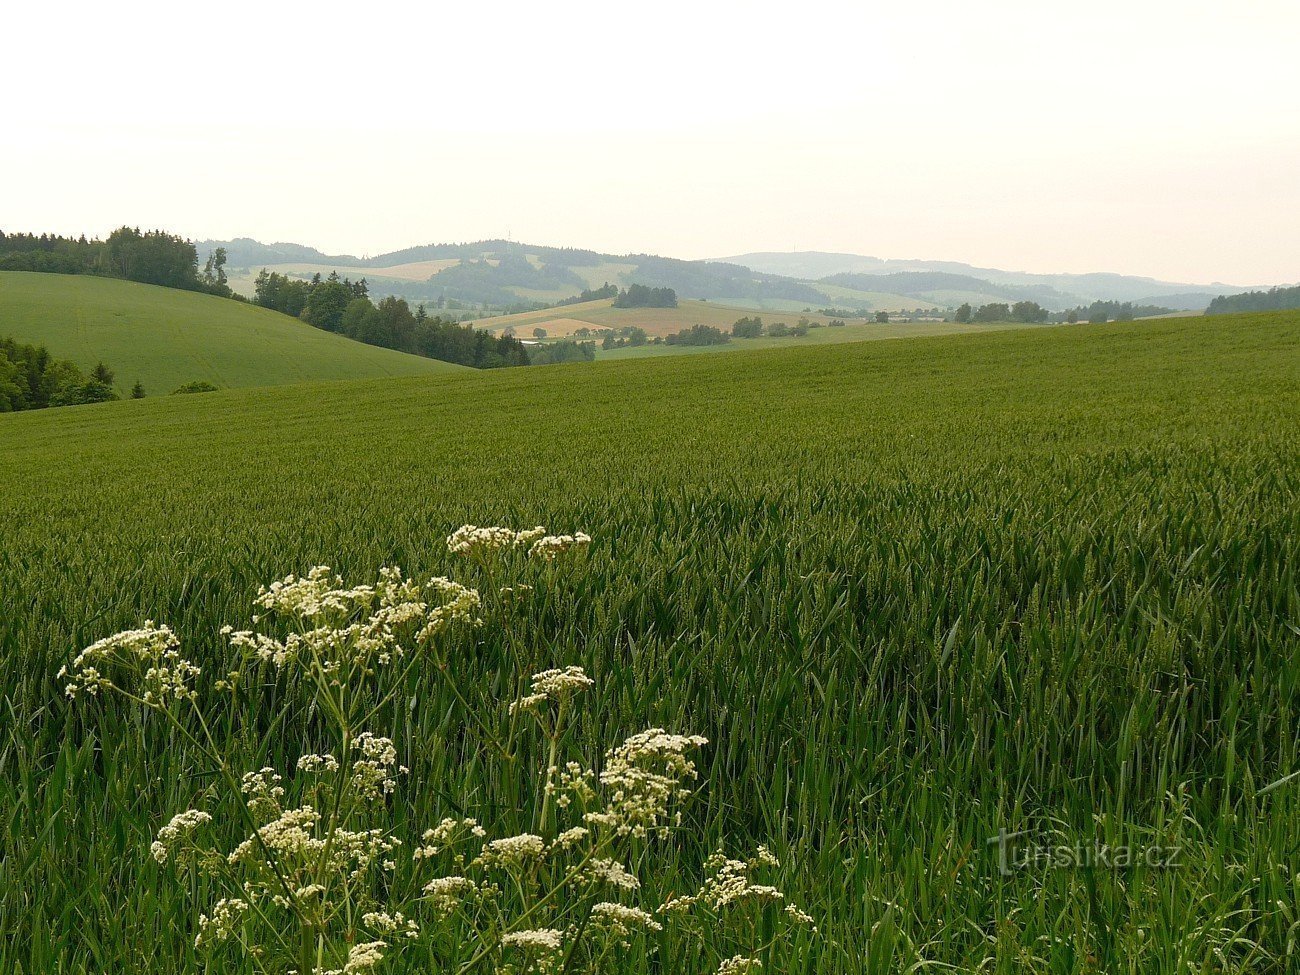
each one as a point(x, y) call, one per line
point(917, 595)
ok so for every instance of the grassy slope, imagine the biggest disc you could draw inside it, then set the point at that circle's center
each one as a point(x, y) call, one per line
point(164, 338)
point(912, 591)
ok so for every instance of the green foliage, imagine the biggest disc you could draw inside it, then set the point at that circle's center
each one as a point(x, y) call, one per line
point(882, 318)
point(1118, 311)
point(913, 592)
point(152, 257)
point(137, 391)
point(588, 294)
point(963, 314)
point(748, 327)
point(341, 305)
point(32, 379)
point(565, 350)
point(994, 311)
point(1028, 311)
point(197, 386)
point(1273, 299)
point(640, 296)
point(699, 335)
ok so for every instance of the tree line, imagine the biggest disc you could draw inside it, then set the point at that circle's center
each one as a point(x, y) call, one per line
point(343, 306)
point(150, 257)
point(641, 296)
point(1274, 299)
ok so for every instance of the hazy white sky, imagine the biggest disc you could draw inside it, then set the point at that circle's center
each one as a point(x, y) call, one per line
point(1143, 136)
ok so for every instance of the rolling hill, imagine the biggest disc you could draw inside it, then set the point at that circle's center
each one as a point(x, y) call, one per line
point(501, 274)
point(1051, 289)
point(165, 338)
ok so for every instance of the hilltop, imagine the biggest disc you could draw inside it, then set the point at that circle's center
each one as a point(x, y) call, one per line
point(502, 275)
point(165, 338)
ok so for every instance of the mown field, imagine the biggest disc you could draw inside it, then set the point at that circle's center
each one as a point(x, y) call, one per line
point(165, 338)
point(561, 322)
point(914, 593)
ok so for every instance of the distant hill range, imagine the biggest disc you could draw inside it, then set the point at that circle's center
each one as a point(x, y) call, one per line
point(501, 275)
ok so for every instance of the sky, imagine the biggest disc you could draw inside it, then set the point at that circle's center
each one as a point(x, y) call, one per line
point(1143, 137)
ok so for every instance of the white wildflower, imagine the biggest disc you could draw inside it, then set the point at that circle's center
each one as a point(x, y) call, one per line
point(373, 773)
point(361, 958)
point(448, 893)
point(544, 948)
point(318, 763)
point(151, 653)
point(570, 838)
point(740, 965)
point(552, 546)
point(177, 830)
point(473, 540)
point(558, 685)
point(621, 922)
point(220, 924)
point(513, 851)
point(641, 779)
point(394, 923)
point(611, 872)
point(446, 834)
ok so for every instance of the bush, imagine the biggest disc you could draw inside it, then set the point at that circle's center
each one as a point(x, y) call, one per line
point(198, 386)
point(699, 335)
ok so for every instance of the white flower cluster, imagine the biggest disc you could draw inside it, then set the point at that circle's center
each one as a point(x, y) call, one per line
point(263, 791)
point(512, 851)
point(318, 764)
point(220, 924)
point(621, 922)
point(606, 871)
point(641, 778)
point(373, 773)
point(446, 834)
point(151, 652)
point(394, 923)
point(558, 685)
point(319, 593)
point(448, 893)
point(359, 627)
point(176, 831)
point(551, 547)
point(740, 965)
point(361, 958)
point(475, 541)
point(729, 883)
point(543, 948)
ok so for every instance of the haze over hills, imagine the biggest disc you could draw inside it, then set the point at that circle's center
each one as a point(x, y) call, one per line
point(501, 275)
point(1096, 286)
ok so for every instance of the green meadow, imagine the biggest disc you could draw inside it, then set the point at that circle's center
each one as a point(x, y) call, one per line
point(917, 594)
point(166, 338)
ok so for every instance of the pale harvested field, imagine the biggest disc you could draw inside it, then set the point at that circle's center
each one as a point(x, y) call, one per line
point(656, 321)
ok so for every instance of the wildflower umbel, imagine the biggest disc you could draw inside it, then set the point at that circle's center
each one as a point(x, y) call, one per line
point(477, 542)
point(309, 881)
point(152, 651)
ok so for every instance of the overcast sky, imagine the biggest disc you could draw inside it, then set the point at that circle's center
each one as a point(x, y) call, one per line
point(1146, 137)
